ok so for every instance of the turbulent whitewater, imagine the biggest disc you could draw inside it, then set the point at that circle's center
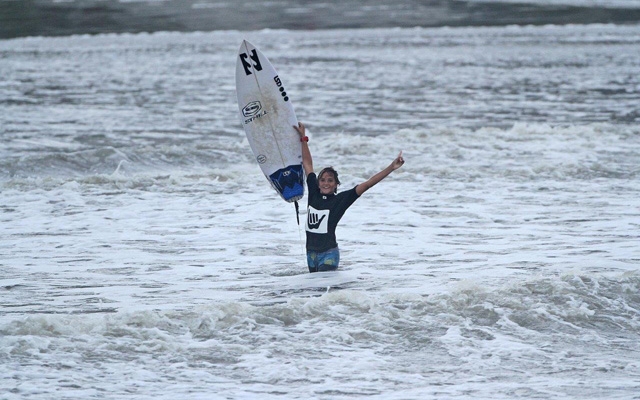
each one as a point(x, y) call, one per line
point(143, 256)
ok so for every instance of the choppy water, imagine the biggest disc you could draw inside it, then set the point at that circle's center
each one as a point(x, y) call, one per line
point(143, 255)
point(67, 17)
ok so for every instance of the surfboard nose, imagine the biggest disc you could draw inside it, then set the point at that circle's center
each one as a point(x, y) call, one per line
point(245, 45)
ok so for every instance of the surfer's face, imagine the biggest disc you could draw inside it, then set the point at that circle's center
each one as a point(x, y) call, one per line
point(327, 183)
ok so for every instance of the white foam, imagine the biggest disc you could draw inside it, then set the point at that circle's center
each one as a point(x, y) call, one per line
point(500, 261)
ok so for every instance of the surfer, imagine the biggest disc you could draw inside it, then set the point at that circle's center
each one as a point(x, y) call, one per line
point(327, 206)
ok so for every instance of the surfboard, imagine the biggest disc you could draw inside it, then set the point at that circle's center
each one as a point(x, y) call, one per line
point(268, 117)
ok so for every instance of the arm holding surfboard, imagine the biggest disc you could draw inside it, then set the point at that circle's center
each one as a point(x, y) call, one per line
point(307, 161)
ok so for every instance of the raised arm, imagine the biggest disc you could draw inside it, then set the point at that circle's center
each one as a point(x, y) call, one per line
point(307, 161)
point(371, 182)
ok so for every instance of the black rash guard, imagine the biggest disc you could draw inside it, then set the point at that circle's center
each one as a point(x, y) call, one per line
point(323, 214)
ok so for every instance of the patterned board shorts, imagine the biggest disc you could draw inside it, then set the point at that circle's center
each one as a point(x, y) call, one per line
point(325, 261)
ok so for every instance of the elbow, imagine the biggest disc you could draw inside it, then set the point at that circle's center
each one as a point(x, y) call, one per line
point(361, 188)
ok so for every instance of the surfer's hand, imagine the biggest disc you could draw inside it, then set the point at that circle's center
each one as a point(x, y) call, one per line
point(300, 129)
point(398, 162)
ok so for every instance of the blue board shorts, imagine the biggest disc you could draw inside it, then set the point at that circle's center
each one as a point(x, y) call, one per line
point(325, 261)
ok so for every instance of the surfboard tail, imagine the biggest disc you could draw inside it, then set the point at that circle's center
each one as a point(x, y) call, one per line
point(289, 182)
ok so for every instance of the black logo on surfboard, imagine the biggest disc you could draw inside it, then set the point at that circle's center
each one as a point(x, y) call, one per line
point(278, 82)
point(251, 109)
point(247, 65)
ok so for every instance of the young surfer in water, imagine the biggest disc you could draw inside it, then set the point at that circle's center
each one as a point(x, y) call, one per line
point(327, 206)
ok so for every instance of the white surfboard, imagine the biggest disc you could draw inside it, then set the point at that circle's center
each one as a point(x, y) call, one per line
point(268, 118)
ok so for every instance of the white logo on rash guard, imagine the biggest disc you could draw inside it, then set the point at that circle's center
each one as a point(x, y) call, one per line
point(317, 220)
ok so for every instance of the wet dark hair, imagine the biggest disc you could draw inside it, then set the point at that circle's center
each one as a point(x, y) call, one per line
point(333, 172)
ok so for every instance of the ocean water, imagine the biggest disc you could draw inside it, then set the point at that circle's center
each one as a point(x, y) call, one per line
point(144, 256)
point(67, 17)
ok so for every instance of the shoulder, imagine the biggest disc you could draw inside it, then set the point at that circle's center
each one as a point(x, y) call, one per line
point(351, 194)
point(312, 184)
